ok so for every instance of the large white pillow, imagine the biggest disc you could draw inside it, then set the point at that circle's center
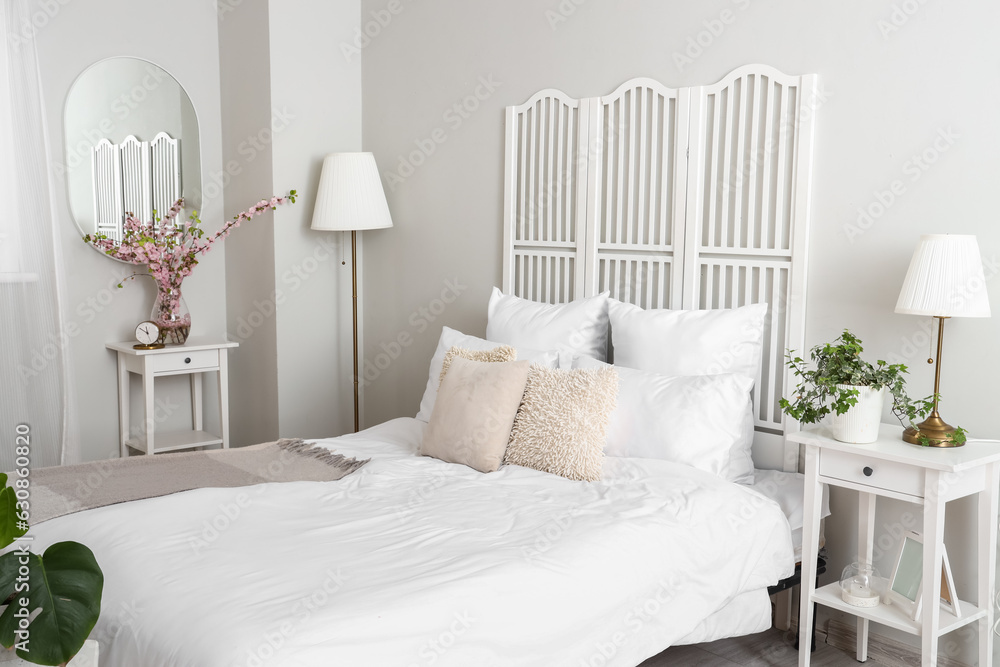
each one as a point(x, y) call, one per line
point(704, 421)
point(451, 338)
point(688, 342)
point(580, 327)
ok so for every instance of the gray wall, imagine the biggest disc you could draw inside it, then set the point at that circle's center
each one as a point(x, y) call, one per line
point(893, 89)
point(287, 105)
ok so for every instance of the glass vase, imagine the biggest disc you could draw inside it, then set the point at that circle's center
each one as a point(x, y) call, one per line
point(171, 315)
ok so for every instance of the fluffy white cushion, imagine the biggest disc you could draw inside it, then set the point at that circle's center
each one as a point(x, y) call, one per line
point(474, 412)
point(580, 326)
point(562, 422)
point(704, 421)
point(497, 354)
point(452, 338)
point(688, 342)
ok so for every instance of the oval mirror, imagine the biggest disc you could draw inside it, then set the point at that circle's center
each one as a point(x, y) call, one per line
point(132, 145)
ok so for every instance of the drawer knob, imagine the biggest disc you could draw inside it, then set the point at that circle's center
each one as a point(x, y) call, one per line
point(868, 471)
point(187, 360)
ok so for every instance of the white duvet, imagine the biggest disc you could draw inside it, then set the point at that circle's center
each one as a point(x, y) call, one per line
point(411, 561)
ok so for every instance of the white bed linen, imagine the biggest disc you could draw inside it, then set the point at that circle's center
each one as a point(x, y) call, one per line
point(413, 561)
point(746, 614)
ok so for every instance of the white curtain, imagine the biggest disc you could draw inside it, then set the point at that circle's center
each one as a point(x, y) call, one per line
point(32, 345)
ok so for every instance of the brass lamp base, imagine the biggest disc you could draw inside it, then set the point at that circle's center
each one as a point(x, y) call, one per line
point(938, 432)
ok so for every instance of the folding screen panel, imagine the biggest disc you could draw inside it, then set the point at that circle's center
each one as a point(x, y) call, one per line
point(690, 198)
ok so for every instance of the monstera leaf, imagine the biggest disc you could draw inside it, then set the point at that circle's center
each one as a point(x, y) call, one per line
point(10, 527)
point(66, 584)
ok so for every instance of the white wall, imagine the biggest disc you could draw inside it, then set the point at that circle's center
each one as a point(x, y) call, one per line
point(287, 105)
point(317, 92)
point(72, 36)
point(895, 92)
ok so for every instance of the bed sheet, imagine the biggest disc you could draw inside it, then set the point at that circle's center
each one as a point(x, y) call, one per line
point(412, 561)
point(746, 614)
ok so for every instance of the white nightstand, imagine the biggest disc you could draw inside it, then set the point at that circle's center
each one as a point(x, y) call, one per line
point(926, 476)
point(197, 356)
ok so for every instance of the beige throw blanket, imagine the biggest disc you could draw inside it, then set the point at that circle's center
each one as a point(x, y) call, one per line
point(64, 490)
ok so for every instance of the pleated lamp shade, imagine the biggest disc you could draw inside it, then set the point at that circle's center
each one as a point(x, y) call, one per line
point(945, 279)
point(350, 195)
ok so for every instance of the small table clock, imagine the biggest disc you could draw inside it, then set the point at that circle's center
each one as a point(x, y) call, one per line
point(148, 335)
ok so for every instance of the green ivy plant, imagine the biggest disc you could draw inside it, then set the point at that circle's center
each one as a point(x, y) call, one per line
point(61, 589)
point(839, 363)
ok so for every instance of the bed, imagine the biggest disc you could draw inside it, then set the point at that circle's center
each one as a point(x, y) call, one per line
point(412, 560)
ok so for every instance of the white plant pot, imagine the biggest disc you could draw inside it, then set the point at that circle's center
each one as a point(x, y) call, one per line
point(859, 425)
point(87, 657)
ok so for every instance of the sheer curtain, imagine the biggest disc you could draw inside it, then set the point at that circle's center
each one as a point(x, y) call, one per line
point(32, 346)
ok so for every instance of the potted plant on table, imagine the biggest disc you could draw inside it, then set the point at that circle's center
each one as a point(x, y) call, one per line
point(852, 390)
point(52, 600)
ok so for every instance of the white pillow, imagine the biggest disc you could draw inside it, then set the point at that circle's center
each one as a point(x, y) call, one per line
point(704, 421)
point(580, 326)
point(452, 338)
point(688, 342)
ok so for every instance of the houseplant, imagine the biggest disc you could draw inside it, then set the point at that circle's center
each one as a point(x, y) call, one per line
point(852, 390)
point(65, 583)
point(170, 251)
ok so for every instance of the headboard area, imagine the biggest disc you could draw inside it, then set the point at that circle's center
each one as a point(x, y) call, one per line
point(690, 198)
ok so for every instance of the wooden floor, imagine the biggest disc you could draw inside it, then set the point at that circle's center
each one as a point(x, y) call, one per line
point(772, 648)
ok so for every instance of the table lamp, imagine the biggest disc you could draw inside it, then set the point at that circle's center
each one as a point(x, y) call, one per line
point(351, 198)
point(945, 279)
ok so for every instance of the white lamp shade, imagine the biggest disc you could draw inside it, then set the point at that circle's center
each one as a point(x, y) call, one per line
point(350, 195)
point(945, 279)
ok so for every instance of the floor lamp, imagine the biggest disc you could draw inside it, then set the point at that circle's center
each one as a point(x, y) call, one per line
point(945, 279)
point(350, 199)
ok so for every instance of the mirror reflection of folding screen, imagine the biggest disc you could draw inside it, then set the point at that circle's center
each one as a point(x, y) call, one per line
point(670, 198)
point(134, 177)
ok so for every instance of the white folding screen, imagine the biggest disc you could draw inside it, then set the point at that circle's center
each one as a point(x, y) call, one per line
point(670, 198)
point(137, 177)
point(545, 196)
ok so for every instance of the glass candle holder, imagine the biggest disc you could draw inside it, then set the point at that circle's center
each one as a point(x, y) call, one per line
point(861, 585)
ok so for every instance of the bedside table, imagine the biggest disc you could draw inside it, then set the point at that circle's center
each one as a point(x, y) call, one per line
point(196, 357)
point(927, 476)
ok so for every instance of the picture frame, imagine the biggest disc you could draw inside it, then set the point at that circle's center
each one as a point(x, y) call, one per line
point(905, 585)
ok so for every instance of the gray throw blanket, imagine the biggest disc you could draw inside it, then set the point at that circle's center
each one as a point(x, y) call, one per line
point(64, 490)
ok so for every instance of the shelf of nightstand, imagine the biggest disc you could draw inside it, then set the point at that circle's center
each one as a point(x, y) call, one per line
point(166, 442)
point(894, 616)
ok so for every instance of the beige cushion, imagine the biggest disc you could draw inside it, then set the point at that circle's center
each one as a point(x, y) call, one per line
point(563, 421)
point(474, 411)
point(494, 355)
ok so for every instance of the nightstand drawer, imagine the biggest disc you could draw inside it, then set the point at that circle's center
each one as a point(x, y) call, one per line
point(183, 360)
point(876, 473)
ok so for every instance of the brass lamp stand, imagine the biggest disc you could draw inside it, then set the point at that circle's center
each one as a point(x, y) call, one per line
point(350, 198)
point(937, 431)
